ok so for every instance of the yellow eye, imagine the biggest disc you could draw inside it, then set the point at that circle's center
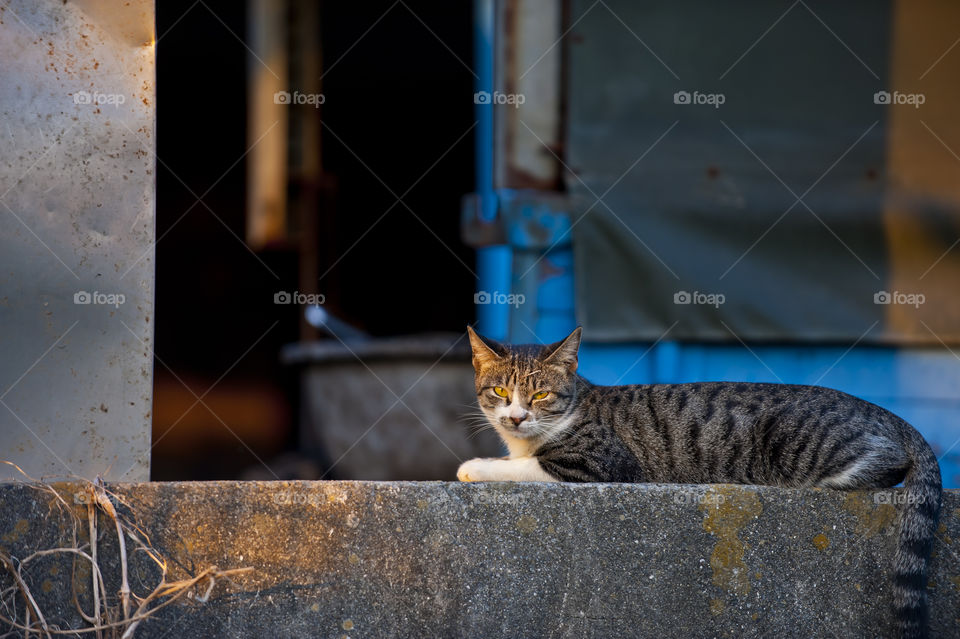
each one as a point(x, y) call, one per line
point(541, 394)
point(501, 391)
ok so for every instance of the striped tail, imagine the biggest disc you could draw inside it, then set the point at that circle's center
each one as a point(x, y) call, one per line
point(918, 523)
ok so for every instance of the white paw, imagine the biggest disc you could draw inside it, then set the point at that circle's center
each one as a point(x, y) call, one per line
point(472, 470)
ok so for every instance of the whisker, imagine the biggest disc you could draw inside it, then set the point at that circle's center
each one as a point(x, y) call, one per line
point(479, 430)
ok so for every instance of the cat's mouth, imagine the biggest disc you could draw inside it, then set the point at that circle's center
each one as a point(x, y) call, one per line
point(523, 429)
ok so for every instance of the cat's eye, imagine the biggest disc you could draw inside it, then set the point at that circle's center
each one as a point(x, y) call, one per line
point(501, 391)
point(540, 395)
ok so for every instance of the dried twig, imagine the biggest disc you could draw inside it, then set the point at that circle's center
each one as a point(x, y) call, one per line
point(103, 500)
point(106, 620)
point(7, 562)
point(94, 574)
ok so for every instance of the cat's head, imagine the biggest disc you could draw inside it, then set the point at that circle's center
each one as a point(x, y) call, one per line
point(525, 391)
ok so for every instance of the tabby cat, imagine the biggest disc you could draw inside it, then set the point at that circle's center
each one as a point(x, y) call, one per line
point(558, 426)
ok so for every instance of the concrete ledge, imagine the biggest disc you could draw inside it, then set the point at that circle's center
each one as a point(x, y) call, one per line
point(365, 559)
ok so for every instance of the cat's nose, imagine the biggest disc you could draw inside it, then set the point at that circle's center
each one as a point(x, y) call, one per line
point(517, 420)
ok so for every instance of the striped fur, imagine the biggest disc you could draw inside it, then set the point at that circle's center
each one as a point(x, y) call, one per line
point(716, 432)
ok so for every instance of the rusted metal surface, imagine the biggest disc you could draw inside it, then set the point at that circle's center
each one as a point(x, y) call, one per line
point(268, 108)
point(77, 202)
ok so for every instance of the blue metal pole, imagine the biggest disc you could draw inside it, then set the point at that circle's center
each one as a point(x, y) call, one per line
point(493, 262)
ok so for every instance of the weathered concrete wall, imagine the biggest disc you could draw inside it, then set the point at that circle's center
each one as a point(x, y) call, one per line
point(366, 559)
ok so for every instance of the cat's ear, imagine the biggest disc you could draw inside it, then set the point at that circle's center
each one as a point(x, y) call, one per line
point(483, 355)
point(565, 353)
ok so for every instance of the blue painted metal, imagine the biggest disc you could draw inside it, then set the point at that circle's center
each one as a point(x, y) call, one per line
point(493, 262)
point(542, 265)
point(493, 276)
point(484, 21)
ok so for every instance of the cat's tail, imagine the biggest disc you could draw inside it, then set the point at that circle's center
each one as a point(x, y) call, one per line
point(918, 523)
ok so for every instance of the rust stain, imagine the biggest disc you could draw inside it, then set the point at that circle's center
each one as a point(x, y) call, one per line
point(724, 517)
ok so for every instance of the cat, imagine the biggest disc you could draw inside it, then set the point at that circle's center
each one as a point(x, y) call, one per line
point(557, 426)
